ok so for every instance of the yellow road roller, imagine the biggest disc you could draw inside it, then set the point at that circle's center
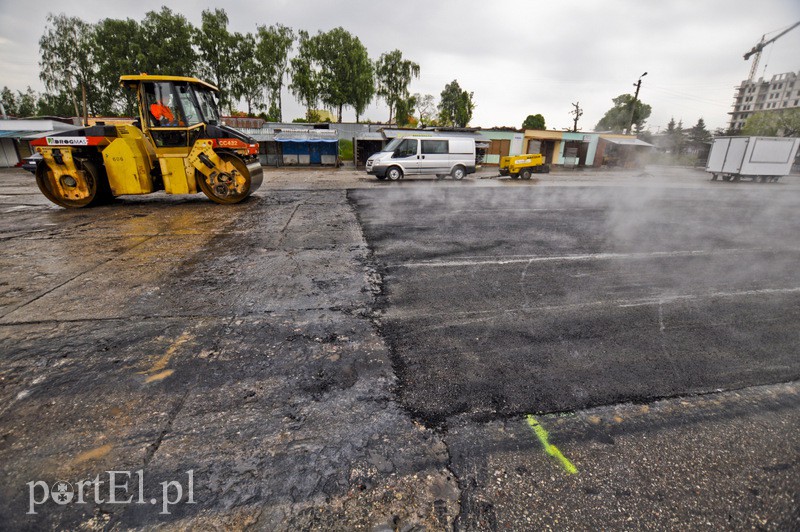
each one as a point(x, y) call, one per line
point(178, 145)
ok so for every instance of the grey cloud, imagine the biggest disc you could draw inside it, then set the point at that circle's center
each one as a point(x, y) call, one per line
point(518, 57)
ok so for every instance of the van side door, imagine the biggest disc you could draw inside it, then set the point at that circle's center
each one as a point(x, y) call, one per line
point(406, 155)
point(434, 156)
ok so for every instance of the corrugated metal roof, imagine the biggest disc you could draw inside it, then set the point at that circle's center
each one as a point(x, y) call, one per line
point(20, 134)
point(307, 135)
point(369, 135)
point(305, 140)
point(630, 142)
point(40, 134)
point(265, 136)
point(391, 133)
point(292, 134)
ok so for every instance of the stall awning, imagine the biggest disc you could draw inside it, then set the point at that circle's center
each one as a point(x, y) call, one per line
point(629, 142)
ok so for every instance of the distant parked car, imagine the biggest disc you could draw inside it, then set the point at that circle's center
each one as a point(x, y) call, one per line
point(29, 163)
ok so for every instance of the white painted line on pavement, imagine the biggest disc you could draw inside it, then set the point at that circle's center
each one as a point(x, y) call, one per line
point(498, 261)
point(669, 299)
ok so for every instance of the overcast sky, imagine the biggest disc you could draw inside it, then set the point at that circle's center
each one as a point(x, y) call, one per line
point(518, 57)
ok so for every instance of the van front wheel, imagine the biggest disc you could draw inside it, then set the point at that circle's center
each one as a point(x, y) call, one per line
point(394, 173)
point(459, 173)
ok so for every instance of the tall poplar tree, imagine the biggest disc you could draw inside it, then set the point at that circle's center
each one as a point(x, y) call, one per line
point(394, 75)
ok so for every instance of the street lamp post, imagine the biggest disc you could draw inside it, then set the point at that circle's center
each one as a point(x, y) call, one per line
point(638, 85)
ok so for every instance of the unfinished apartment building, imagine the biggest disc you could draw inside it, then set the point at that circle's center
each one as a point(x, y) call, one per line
point(781, 92)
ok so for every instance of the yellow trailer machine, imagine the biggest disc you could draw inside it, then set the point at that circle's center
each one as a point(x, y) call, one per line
point(523, 166)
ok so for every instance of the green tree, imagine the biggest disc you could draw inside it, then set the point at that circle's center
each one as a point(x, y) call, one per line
point(305, 83)
point(66, 63)
point(22, 104)
point(167, 39)
point(312, 117)
point(617, 119)
point(362, 90)
point(534, 122)
point(426, 107)
point(58, 104)
point(118, 51)
point(273, 45)
point(676, 138)
point(394, 74)
point(332, 67)
point(9, 101)
point(784, 123)
point(249, 79)
point(761, 125)
point(217, 50)
point(27, 103)
point(455, 106)
point(698, 134)
point(405, 111)
point(345, 72)
point(789, 121)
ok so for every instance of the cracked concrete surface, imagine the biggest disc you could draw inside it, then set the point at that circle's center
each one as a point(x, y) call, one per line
point(236, 343)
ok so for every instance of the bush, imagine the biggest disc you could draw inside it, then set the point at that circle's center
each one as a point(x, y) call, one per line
point(345, 150)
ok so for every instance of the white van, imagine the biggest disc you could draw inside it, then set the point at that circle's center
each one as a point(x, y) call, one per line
point(412, 155)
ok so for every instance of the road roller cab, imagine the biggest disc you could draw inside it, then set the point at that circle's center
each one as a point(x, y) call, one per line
point(178, 145)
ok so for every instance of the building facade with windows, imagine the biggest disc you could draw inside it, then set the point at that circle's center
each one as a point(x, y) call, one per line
point(780, 92)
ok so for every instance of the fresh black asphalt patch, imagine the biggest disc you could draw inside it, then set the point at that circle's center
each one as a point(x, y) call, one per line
point(513, 300)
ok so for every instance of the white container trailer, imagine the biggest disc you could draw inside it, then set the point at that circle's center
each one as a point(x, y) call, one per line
point(757, 158)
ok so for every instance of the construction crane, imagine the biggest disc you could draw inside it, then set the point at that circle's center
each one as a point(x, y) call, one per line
point(760, 46)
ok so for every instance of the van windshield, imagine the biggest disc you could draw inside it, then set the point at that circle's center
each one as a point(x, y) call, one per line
point(393, 144)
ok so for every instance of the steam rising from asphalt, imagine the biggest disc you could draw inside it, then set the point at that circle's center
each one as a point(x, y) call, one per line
point(566, 293)
point(738, 236)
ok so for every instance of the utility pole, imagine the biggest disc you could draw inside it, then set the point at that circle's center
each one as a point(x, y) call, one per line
point(578, 112)
point(638, 86)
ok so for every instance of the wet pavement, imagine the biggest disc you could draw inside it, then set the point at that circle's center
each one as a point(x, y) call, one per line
point(587, 350)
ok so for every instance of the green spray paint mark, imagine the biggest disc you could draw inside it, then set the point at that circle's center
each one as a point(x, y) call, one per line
point(552, 450)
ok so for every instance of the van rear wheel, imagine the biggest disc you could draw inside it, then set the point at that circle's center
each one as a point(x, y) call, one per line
point(459, 173)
